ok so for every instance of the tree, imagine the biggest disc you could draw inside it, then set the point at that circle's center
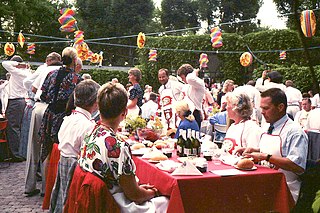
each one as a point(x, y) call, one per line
point(285, 7)
point(206, 10)
point(179, 14)
point(235, 10)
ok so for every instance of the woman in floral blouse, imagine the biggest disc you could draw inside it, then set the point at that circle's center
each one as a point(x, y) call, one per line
point(105, 155)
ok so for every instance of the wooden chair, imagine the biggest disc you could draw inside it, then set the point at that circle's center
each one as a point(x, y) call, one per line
point(3, 139)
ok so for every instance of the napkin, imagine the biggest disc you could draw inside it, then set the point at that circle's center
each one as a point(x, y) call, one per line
point(153, 151)
point(186, 168)
point(168, 165)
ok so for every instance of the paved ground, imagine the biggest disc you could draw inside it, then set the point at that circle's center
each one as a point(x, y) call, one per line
point(12, 198)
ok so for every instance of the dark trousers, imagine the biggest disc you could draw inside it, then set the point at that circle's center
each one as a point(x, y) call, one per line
point(197, 117)
point(14, 114)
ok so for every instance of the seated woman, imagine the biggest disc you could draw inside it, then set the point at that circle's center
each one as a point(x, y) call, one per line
point(187, 119)
point(243, 132)
point(104, 155)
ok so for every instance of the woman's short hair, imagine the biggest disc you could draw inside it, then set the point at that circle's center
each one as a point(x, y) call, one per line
point(85, 93)
point(86, 76)
point(54, 56)
point(185, 69)
point(241, 104)
point(183, 107)
point(112, 100)
point(136, 73)
point(226, 84)
point(69, 54)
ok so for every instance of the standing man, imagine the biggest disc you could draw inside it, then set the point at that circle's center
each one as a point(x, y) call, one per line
point(294, 98)
point(284, 145)
point(170, 91)
point(193, 90)
point(16, 103)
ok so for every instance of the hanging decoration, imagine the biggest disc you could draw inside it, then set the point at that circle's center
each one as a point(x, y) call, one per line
point(9, 49)
point(308, 23)
point(21, 39)
point(203, 60)
point(67, 21)
point(83, 51)
point(141, 40)
point(283, 55)
point(78, 37)
point(31, 49)
point(216, 37)
point(100, 58)
point(246, 59)
point(95, 58)
point(153, 55)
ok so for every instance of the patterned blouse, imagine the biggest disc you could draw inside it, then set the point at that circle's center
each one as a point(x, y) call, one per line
point(102, 153)
point(136, 92)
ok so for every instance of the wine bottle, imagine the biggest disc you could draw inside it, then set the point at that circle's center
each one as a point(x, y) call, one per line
point(188, 145)
point(193, 142)
point(180, 143)
point(197, 144)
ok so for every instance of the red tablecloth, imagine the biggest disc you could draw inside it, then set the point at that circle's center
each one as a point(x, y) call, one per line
point(262, 190)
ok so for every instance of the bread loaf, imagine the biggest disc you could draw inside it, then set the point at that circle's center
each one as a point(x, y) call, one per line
point(159, 157)
point(137, 146)
point(245, 164)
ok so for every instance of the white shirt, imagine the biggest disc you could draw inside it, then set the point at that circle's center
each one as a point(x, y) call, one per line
point(43, 72)
point(16, 88)
point(259, 85)
point(252, 92)
point(269, 85)
point(4, 94)
point(72, 132)
point(313, 121)
point(195, 90)
point(294, 96)
point(246, 133)
point(315, 100)
point(301, 118)
point(176, 88)
point(149, 109)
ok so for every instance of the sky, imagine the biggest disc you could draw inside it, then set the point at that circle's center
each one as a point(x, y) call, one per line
point(267, 14)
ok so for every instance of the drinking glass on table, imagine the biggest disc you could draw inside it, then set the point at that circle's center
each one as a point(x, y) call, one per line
point(216, 156)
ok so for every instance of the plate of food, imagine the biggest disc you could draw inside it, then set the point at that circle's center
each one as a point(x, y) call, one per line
point(246, 169)
point(140, 152)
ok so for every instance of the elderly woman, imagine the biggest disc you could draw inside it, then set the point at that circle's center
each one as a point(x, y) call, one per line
point(103, 154)
point(187, 119)
point(228, 86)
point(243, 132)
point(135, 92)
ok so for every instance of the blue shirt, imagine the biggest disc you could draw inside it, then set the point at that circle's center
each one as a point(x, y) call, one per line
point(219, 118)
point(294, 140)
point(186, 124)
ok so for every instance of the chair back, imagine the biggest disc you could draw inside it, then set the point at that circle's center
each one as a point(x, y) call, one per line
point(220, 128)
point(313, 145)
point(3, 126)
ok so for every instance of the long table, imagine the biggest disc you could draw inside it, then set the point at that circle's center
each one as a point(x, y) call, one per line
point(262, 190)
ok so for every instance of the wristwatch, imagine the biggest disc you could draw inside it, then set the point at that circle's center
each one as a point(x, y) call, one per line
point(268, 157)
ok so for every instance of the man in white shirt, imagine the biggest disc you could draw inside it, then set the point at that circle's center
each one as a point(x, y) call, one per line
point(53, 62)
point(302, 116)
point(150, 107)
point(313, 121)
point(16, 103)
point(193, 90)
point(260, 83)
point(170, 91)
point(294, 98)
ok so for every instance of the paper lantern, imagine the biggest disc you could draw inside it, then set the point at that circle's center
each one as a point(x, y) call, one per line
point(95, 58)
point(31, 49)
point(141, 40)
point(153, 55)
point(9, 49)
point(308, 23)
point(203, 60)
point(283, 55)
point(21, 39)
point(246, 59)
point(216, 37)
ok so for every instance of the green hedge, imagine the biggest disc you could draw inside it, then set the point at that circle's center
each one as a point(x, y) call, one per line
point(294, 65)
point(102, 76)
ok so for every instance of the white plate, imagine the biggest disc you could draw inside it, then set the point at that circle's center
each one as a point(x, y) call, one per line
point(140, 152)
point(252, 169)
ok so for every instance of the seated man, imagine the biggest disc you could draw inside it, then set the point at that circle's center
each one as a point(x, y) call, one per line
point(285, 145)
point(150, 107)
point(302, 115)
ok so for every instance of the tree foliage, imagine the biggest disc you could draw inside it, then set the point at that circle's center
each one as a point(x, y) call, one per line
point(179, 14)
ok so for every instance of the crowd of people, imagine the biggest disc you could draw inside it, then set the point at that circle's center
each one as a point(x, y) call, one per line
point(55, 108)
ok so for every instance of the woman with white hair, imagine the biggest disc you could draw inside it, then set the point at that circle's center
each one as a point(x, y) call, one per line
point(187, 119)
point(243, 132)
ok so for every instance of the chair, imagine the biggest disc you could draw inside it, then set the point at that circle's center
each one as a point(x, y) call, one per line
point(3, 139)
point(89, 194)
point(219, 133)
point(313, 145)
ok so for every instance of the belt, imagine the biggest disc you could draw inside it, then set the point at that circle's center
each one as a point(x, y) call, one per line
point(294, 105)
point(15, 99)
